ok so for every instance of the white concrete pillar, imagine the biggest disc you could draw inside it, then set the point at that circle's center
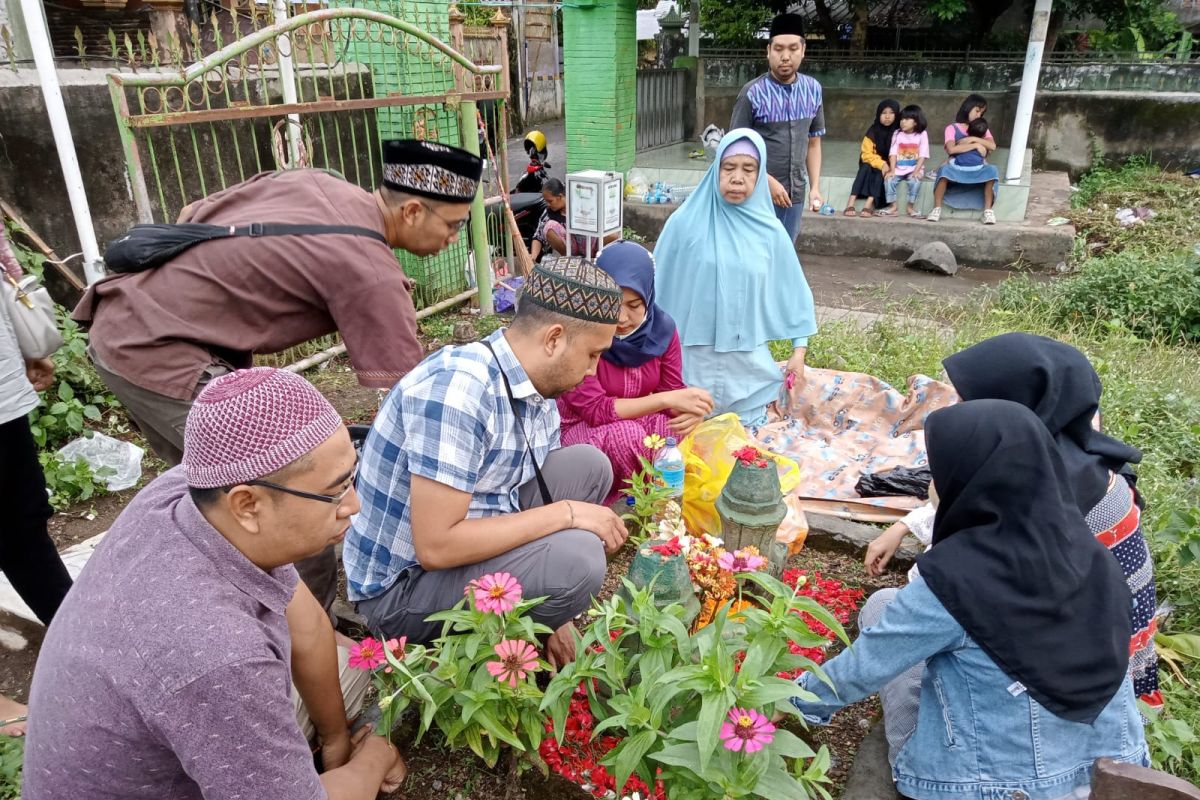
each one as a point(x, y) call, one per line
point(43, 56)
point(1029, 82)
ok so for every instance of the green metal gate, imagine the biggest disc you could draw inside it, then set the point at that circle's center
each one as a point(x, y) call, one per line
point(359, 76)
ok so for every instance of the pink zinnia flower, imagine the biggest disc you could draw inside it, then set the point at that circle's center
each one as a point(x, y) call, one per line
point(741, 561)
point(517, 659)
point(497, 593)
point(747, 730)
point(367, 654)
point(396, 647)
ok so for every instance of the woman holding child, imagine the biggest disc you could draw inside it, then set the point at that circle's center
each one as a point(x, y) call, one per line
point(966, 180)
point(729, 276)
point(638, 388)
point(1021, 616)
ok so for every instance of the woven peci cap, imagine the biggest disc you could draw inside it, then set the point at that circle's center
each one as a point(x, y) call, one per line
point(251, 423)
point(431, 169)
point(574, 287)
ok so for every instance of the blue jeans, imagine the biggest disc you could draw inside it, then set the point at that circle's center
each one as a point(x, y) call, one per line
point(790, 217)
point(893, 183)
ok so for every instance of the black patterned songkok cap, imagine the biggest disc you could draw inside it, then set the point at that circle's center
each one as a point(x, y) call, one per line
point(574, 287)
point(431, 169)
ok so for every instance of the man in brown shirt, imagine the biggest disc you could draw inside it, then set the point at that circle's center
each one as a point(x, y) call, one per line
point(159, 336)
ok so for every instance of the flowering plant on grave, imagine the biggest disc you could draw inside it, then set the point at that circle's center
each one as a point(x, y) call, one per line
point(840, 600)
point(689, 711)
point(645, 493)
point(475, 683)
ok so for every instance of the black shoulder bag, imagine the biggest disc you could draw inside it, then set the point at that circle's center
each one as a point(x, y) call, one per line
point(148, 246)
point(512, 401)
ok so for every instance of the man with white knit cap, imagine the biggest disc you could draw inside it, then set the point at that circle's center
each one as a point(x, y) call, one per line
point(168, 671)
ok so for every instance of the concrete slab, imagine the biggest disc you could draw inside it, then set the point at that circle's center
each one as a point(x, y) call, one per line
point(839, 165)
point(870, 776)
point(1030, 241)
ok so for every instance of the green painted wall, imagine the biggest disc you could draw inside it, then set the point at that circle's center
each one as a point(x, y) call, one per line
point(411, 67)
point(600, 72)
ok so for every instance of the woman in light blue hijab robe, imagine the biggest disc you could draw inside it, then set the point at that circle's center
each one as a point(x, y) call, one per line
point(729, 276)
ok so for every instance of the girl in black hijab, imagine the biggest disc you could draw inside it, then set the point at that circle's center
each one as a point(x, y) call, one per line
point(1015, 564)
point(873, 160)
point(1022, 619)
point(1058, 383)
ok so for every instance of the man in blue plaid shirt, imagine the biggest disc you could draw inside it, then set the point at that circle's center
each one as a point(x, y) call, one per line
point(462, 474)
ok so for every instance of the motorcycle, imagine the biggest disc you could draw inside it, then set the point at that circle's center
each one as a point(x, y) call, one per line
point(535, 175)
point(527, 210)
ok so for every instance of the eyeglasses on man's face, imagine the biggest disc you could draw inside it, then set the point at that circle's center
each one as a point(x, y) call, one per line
point(335, 499)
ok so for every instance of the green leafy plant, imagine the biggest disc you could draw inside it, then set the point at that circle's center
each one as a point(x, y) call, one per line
point(12, 752)
point(1172, 735)
point(475, 683)
point(71, 481)
point(1182, 533)
point(693, 710)
point(645, 494)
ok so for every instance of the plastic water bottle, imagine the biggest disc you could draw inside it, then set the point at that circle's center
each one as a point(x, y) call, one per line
point(827, 210)
point(669, 463)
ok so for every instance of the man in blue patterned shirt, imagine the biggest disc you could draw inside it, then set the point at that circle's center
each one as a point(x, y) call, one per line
point(462, 474)
point(787, 110)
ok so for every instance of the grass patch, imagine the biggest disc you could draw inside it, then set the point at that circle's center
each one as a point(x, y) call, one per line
point(1174, 199)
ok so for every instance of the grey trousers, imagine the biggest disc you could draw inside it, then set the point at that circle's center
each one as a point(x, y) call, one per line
point(901, 699)
point(161, 420)
point(567, 568)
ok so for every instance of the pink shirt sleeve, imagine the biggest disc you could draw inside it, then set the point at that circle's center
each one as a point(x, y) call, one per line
point(924, 151)
point(590, 403)
point(670, 376)
point(948, 136)
point(893, 150)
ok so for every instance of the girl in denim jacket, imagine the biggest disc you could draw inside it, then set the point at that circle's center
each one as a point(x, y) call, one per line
point(1021, 615)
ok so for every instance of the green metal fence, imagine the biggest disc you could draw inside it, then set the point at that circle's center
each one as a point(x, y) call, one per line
point(359, 75)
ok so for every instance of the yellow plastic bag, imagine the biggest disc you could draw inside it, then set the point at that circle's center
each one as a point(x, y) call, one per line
point(708, 461)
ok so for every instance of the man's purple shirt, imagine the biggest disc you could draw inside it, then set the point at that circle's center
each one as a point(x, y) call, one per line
point(166, 673)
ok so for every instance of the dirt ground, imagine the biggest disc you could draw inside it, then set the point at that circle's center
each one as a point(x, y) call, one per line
point(861, 284)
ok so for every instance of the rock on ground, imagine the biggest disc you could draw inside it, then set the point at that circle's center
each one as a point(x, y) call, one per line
point(933, 257)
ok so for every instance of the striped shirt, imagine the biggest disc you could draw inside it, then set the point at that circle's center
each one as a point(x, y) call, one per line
point(450, 421)
point(786, 115)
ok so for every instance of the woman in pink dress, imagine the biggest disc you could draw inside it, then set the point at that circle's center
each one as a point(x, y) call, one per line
point(638, 388)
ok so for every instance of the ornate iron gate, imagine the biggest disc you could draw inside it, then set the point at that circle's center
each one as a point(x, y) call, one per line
point(318, 89)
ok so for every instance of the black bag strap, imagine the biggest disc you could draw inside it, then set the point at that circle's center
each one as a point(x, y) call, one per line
point(512, 401)
point(256, 229)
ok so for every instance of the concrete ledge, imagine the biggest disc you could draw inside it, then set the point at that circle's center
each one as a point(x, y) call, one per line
point(870, 776)
point(826, 532)
point(973, 243)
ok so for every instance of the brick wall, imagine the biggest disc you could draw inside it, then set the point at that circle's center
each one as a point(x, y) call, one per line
point(600, 69)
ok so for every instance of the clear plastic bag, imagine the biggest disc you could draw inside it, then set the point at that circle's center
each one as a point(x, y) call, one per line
point(100, 452)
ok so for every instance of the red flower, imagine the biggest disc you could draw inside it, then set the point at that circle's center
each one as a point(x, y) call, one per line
point(672, 547)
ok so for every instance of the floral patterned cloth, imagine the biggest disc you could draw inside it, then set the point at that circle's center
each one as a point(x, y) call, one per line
point(839, 426)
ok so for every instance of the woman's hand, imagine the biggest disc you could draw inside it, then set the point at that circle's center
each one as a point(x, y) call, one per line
point(40, 372)
point(693, 401)
point(795, 364)
point(779, 195)
point(880, 551)
point(683, 425)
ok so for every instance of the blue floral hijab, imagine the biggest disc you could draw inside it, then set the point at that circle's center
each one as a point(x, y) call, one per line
point(728, 274)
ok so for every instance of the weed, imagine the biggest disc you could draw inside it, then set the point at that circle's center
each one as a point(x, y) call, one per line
point(12, 751)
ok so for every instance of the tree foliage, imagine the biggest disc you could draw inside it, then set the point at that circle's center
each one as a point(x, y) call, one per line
point(1128, 24)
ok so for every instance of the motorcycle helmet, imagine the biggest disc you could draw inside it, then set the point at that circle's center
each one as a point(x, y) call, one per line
point(535, 142)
